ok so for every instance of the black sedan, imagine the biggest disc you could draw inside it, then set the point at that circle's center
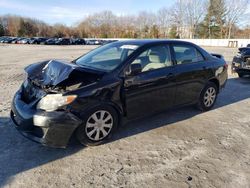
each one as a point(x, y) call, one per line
point(63, 41)
point(128, 79)
point(37, 40)
point(79, 41)
point(241, 62)
point(50, 41)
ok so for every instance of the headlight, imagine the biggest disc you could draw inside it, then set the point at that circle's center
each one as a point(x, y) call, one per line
point(52, 102)
point(236, 64)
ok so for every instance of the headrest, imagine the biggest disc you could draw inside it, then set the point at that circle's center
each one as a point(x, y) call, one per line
point(189, 52)
point(154, 57)
point(137, 61)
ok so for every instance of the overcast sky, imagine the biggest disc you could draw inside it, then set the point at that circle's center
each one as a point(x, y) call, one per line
point(70, 12)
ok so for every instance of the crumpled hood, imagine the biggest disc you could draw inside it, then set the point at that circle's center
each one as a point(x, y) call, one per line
point(54, 72)
point(245, 50)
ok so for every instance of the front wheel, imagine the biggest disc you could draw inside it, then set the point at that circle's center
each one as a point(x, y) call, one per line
point(99, 123)
point(240, 75)
point(208, 97)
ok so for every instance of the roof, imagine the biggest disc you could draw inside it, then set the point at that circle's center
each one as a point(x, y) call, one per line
point(141, 42)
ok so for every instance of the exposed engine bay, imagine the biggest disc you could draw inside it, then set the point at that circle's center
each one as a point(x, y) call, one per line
point(57, 77)
point(241, 62)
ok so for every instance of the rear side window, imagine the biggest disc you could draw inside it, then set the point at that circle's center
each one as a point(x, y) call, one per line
point(187, 54)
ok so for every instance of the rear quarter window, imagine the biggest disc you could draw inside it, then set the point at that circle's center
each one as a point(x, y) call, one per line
point(187, 54)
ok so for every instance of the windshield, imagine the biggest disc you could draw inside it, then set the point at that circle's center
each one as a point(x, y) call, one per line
point(107, 57)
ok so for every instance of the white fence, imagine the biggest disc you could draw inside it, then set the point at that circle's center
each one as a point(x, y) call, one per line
point(210, 42)
point(220, 42)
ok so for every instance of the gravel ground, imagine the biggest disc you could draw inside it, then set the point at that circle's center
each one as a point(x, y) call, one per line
point(178, 148)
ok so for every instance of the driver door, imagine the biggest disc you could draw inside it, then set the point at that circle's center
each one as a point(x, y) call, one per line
point(153, 89)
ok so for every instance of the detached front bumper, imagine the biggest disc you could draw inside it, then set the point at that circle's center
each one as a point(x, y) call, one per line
point(240, 66)
point(240, 69)
point(243, 71)
point(48, 128)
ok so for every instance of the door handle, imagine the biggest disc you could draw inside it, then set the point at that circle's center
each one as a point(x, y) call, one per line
point(169, 76)
point(204, 67)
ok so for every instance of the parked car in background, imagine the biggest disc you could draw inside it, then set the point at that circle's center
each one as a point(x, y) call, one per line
point(78, 41)
point(2, 39)
point(8, 39)
point(107, 41)
point(63, 41)
point(92, 42)
point(24, 41)
point(41, 40)
point(51, 41)
point(37, 40)
point(16, 40)
point(241, 62)
point(126, 79)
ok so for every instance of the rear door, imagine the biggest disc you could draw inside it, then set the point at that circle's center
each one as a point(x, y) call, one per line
point(153, 89)
point(192, 71)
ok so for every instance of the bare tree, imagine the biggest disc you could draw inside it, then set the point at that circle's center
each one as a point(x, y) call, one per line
point(194, 13)
point(235, 10)
point(144, 21)
point(164, 21)
point(185, 19)
point(186, 15)
point(177, 17)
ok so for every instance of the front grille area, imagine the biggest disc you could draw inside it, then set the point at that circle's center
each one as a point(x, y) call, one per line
point(38, 131)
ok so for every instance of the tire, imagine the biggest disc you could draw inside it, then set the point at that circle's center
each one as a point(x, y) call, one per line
point(240, 75)
point(208, 97)
point(87, 133)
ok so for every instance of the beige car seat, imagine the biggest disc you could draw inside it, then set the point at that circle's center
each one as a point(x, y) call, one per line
point(157, 60)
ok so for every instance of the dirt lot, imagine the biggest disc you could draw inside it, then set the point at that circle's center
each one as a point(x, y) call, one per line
point(180, 148)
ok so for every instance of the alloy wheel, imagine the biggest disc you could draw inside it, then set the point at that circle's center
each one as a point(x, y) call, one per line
point(99, 125)
point(209, 97)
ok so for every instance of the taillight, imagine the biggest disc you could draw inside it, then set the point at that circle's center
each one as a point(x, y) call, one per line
point(226, 65)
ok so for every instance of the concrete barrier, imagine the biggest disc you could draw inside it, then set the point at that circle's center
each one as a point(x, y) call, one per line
point(234, 43)
point(220, 42)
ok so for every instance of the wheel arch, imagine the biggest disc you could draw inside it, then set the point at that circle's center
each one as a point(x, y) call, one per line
point(216, 82)
point(119, 110)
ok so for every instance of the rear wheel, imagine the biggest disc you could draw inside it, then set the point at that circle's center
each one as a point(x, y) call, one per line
point(99, 123)
point(208, 97)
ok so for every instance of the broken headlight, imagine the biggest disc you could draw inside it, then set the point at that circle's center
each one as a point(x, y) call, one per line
point(52, 102)
point(236, 64)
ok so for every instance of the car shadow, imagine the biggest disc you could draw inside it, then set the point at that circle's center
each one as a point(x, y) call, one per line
point(18, 154)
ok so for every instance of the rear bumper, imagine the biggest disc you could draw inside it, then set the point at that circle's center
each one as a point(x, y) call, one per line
point(48, 128)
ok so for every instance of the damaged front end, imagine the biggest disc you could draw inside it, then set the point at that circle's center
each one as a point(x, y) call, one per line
point(39, 108)
point(241, 62)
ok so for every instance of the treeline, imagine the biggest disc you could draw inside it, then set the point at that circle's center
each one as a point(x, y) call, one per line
point(185, 19)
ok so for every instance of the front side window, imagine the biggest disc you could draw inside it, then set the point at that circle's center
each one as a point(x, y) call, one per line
point(154, 58)
point(187, 54)
point(107, 57)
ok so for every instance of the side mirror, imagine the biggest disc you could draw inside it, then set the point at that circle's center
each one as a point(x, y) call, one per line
point(134, 69)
